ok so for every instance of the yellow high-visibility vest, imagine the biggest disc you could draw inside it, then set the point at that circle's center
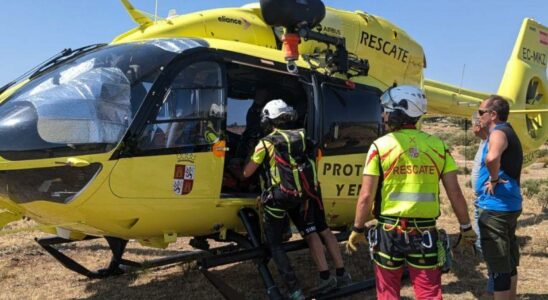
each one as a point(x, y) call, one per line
point(412, 164)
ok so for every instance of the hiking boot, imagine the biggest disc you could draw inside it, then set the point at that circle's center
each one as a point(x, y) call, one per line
point(344, 280)
point(326, 285)
point(297, 295)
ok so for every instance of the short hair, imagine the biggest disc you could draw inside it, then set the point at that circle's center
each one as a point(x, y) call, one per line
point(284, 121)
point(500, 105)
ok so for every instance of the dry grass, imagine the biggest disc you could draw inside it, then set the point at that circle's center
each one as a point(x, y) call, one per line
point(28, 272)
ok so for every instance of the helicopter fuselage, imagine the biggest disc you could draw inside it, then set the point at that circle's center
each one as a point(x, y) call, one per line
point(145, 138)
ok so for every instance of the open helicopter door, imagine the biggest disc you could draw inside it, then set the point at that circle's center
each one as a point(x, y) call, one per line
point(250, 85)
point(177, 156)
point(350, 120)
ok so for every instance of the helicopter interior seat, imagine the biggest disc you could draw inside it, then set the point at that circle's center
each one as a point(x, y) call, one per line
point(182, 132)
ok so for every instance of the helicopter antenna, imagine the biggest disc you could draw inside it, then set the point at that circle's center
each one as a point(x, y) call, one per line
point(155, 10)
point(462, 77)
point(465, 125)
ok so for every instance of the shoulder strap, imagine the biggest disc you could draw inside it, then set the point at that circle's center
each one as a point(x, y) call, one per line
point(266, 176)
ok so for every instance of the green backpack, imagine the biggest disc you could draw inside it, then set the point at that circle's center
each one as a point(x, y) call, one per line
point(295, 163)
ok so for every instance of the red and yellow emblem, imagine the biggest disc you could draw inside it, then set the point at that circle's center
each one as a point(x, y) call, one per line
point(183, 179)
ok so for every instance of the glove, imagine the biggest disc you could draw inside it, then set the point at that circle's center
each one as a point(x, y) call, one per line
point(468, 236)
point(354, 240)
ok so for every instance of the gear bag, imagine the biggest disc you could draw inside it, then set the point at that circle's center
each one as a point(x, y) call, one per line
point(295, 163)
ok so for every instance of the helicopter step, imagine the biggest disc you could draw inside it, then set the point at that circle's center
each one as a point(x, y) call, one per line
point(118, 265)
point(254, 250)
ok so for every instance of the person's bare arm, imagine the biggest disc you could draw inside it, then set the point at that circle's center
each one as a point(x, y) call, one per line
point(454, 193)
point(250, 168)
point(497, 144)
point(366, 200)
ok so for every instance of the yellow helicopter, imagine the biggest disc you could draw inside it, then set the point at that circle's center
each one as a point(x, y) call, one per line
point(143, 138)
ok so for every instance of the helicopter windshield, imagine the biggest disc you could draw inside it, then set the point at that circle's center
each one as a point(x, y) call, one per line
point(84, 104)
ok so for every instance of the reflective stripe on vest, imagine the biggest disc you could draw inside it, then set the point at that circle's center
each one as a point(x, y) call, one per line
point(412, 163)
point(415, 197)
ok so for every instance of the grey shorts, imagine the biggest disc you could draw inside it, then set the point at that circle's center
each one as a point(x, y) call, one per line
point(498, 239)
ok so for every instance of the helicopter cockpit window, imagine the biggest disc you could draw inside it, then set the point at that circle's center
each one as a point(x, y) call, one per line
point(192, 110)
point(351, 119)
point(83, 105)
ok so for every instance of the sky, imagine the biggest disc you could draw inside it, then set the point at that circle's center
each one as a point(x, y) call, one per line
point(476, 36)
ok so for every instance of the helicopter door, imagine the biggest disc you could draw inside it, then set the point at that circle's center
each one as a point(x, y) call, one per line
point(350, 121)
point(179, 152)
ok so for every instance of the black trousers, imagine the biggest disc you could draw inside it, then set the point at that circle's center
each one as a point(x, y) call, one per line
point(498, 239)
point(276, 208)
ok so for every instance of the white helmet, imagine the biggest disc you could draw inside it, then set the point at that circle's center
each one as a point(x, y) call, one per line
point(406, 98)
point(275, 108)
point(215, 110)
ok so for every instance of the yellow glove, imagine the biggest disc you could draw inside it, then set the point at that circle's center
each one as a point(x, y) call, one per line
point(354, 240)
point(467, 235)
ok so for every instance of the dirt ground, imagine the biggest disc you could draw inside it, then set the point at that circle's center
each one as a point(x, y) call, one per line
point(28, 272)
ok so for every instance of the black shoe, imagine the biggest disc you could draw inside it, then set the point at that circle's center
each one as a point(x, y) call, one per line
point(325, 285)
point(297, 295)
point(344, 280)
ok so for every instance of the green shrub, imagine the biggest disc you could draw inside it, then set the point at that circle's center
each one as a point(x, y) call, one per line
point(469, 152)
point(444, 136)
point(464, 171)
point(543, 157)
point(431, 120)
point(534, 188)
point(544, 160)
point(543, 152)
point(542, 197)
point(459, 122)
point(454, 120)
point(467, 124)
point(462, 139)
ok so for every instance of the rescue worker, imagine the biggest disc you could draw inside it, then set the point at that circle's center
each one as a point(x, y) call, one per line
point(305, 209)
point(499, 199)
point(400, 187)
point(211, 133)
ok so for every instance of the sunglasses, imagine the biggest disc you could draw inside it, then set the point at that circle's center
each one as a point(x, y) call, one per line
point(482, 111)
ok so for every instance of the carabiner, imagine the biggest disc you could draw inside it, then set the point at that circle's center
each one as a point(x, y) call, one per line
point(372, 239)
point(428, 238)
point(372, 236)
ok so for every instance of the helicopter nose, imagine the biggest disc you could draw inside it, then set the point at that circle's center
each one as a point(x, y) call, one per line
point(18, 128)
point(19, 141)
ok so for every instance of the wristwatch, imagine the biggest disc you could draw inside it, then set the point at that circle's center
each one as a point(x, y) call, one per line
point(358, 230)
point(466, 227)
point(494, 180)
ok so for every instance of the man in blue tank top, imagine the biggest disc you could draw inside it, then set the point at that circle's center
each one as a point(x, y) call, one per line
point(499, 196)
point(480, 133)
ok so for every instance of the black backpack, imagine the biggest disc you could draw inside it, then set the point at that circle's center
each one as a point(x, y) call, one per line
point(295, 163)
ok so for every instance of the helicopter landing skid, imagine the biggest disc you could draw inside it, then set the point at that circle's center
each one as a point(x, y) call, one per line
point(254, 250)
point(118, 265)
point(117, 246)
